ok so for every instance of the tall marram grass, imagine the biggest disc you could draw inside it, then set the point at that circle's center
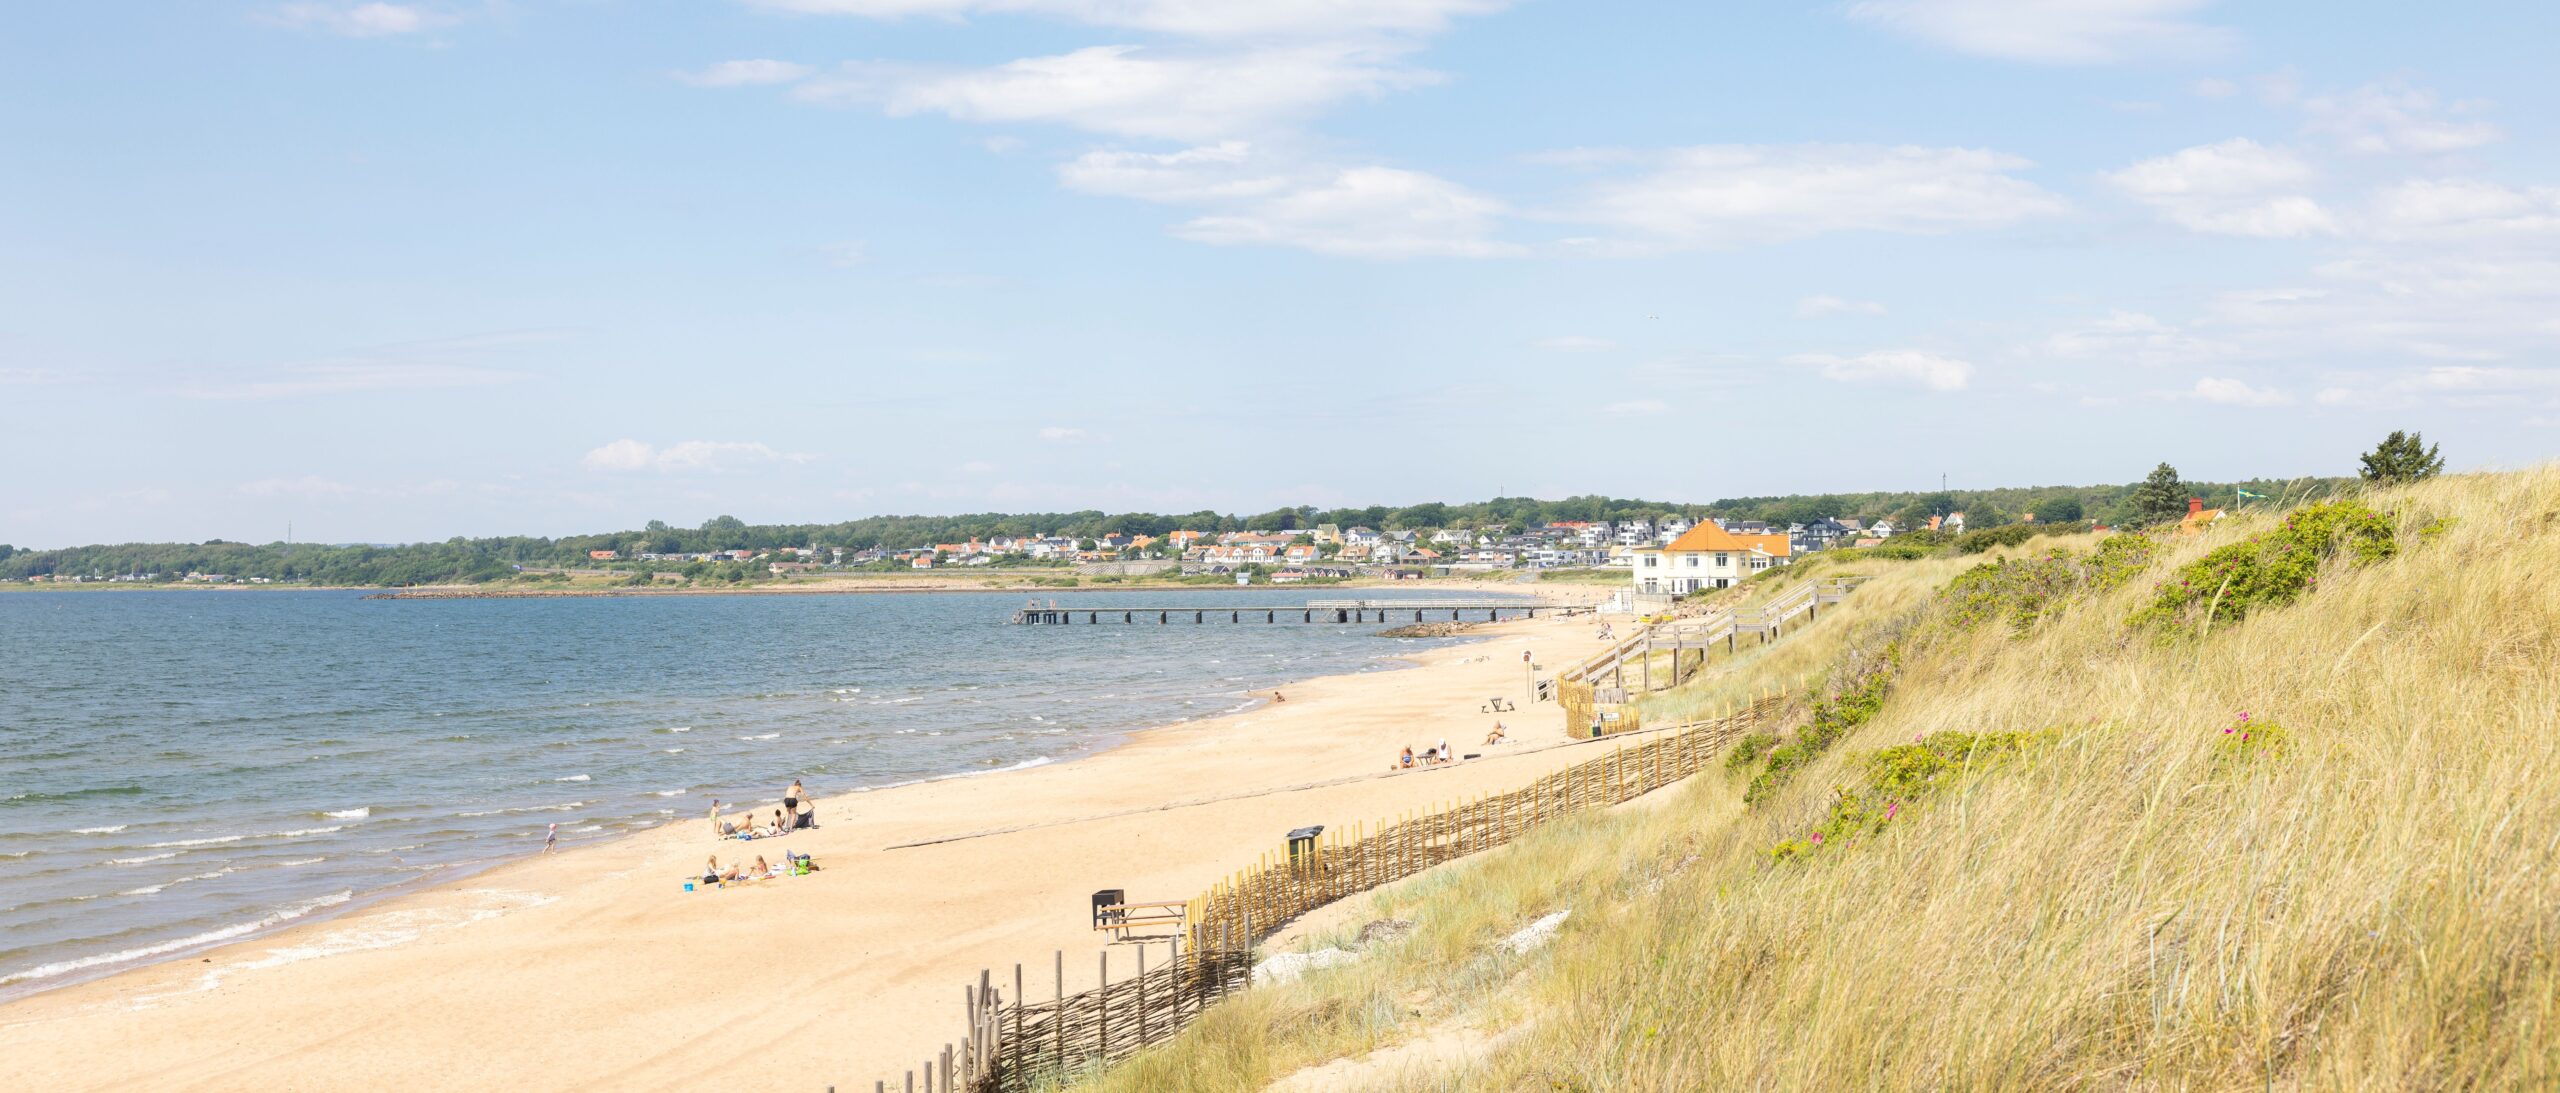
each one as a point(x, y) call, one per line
point(2376, 906)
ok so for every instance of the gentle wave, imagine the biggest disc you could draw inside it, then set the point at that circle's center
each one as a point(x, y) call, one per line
point(76, 794)
point(142, 859)
point(99, 830)
point(570, 807)
point(221, 840)
point(572, 778)
point(350, 814)
point(209, 937)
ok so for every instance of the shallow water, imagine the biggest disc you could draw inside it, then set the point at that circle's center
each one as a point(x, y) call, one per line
point(184, 768)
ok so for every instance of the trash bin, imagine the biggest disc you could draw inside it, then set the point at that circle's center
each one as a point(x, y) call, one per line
point(1302, 843)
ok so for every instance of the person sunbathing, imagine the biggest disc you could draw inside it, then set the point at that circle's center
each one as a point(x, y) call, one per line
point(1405, 761)
point(1494, 737)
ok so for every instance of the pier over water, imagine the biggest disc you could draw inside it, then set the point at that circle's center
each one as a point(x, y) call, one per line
point(1313, 611)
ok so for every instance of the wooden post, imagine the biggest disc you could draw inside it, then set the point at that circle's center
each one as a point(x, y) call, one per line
point(1142, 994)
point(1102, 1017)
point(1058, 1019)
point(1017, 1007)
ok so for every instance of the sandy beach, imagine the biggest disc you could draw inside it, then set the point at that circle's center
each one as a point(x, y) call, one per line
point(593, 968)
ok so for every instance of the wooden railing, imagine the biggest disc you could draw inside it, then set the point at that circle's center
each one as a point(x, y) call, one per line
point(1617, 674)
point(1012, 1045)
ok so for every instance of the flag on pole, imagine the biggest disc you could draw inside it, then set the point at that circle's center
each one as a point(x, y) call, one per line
point(2246, 495)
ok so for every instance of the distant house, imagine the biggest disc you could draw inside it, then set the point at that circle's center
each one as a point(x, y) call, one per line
point(1300, 553)
point(1707, 557)
point(1328, 534)
point(1882, 529)
point(1824, 534)
point(604, 555)
point(921, 561)
point(2198, 517)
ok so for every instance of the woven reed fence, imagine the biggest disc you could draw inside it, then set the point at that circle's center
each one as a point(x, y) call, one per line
point(1014, 1045)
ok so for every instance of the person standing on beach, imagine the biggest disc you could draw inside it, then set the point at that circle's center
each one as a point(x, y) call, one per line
point(791, 807)
point(715, 819)
point(551, 839)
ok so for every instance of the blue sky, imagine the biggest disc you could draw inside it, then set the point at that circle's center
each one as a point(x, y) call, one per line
point(404, 270)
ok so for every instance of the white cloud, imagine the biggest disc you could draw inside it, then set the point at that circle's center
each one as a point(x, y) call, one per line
point(846, 254)
point(2461, 385)
point(2052, 31)
point(1574, 343)
point(355, 377)
point(2213, 87)
point(1191, 18)
point(690, 455)
point(309, 485)
point(1643, 407)
point(1061, 434)
point(1365, 212)
point(2394, 117)
point(2129, 337)
point(1128, 91)
point(1728, 195)
point(30, 377)
point(1892, 367)
point(1817, 306)
point(754, 73)
point(2228, 189)
point(2232, 392)
point(1359, 212)
point(2460, 208)
point(358, 20)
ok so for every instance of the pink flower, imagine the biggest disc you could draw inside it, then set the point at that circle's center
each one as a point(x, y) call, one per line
point(1892, 809)
point(2226, 732)
point(1817, 838)
point(2244, 715)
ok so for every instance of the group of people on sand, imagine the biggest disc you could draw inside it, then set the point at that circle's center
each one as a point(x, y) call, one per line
point(1440, 753)
point(761, 870)
point(797, 811)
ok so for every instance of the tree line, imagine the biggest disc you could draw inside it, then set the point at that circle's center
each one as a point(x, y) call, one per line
point(2160, 497)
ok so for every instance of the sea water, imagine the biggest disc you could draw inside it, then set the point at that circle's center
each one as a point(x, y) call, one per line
point(184, 768)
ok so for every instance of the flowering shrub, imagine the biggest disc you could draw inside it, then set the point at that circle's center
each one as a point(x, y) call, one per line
point(1749, 749)
point(2017, 592)
point(1907, 774)
point(2271, 569)
point(2248, 740)
point(1846, 709)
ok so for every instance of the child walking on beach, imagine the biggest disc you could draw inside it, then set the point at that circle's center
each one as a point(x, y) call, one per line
point(551, 839)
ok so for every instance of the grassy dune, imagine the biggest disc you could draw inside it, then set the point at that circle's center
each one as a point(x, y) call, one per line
point(2363, 897)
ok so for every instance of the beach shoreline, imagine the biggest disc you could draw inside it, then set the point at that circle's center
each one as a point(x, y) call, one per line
point(1146, 772)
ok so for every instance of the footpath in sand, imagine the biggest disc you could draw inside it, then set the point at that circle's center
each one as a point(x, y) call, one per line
point(594, 969)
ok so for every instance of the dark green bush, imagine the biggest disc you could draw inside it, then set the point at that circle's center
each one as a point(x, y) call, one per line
point(1906, 774)
point(2272, 568)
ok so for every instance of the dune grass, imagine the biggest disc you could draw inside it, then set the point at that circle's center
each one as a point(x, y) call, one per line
point(2362, 898)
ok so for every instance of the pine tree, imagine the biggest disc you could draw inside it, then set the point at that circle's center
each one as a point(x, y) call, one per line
point(2401, 457)
point(2160, 498)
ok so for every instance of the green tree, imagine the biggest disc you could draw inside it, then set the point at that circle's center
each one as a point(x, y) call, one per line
point(2401, 457)
point(2058, 510)
point(2160, 498)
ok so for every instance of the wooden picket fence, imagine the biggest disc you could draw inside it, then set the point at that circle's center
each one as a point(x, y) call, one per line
point(1014, 1045)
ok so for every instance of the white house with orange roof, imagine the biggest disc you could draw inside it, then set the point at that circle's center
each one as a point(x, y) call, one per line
point(1706, 556)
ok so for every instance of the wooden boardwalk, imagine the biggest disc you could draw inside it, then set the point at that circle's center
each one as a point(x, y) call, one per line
point(1313, 611)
